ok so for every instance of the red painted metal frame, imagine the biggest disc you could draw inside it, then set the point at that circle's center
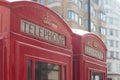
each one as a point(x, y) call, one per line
point(83, 63)
point(16, 46)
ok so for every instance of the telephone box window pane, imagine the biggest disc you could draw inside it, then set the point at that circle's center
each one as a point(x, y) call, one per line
point(29, 69)
point(97, 76)
point(46, 71)
point(64, 72)
point(109, 79)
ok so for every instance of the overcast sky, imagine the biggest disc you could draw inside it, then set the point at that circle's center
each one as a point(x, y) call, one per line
point(18, 0)
point(119, 0)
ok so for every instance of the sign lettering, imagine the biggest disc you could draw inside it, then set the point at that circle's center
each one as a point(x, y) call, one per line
point(42, 32)
point(93, 52)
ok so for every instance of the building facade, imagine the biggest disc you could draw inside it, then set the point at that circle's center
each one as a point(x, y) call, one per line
point(75, 13)
point(112, 9)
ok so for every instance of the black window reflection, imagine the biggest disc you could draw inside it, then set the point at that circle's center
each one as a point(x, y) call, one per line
point(97, 76)
point(46, 71)
point(29, 69)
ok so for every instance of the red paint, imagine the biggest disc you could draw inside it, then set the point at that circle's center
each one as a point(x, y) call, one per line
point(18, 47)
point(85, 64)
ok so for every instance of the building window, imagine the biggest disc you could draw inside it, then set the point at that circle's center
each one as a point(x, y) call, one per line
point(41, 1)
point(93, 12)
point(91, 9)
point(109, 67)
point(74, 1)
point(102, 30)
point(96, 1)
point(70, 0)
point(110, 2)
point(80, 21)
point(101, 15)
point(92, 24)
point(116, 33)
point(111, 32)
point(73, 15)
point(101, 3)
point(34, 0)
point(119, 68)
point(86, 23)
point(111, 20)
point(93, 27)
point(70, 14)
point(80, 4)
point(117, 55)
point(108, 55)
point(111, 43)
point(76, 17)
point(116, 21)
point(50, 1)
point(86, 7)
point(106, 1)
point(77, 2)
point(107, 10)
point(111, 54)
point(117, 44)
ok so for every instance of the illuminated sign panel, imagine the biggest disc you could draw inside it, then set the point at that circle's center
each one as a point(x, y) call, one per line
point(93, 52)
point(41, 32)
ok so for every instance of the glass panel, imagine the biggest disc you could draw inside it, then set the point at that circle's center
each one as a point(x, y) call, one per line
point(109, 67)
point(46, 71)
point(80, 21)
point(80, 4)
point(41, 1)
point(63, 73)
point(109, 79)
point(86, 24)
point(34, 0)
point(76, 17)
point(97, 76)
point(70, 14)
point(50, 1)
point(29, 69)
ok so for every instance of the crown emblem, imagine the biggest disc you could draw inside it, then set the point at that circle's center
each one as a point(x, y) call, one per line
point(95, 44)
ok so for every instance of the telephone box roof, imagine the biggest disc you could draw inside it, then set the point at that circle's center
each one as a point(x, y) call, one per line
point(83, 34)
point(79, 32)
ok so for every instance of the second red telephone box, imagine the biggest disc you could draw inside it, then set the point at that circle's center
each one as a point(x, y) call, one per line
point(89, 59)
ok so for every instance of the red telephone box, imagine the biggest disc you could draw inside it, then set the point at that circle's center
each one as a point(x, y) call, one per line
point(35, 43)
point(89, 59)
